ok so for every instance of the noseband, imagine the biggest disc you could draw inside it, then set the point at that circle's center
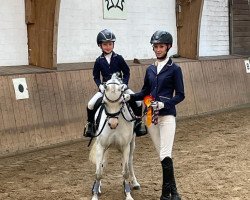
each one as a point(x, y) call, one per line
point(112, 115)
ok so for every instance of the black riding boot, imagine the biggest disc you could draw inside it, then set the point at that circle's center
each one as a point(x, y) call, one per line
point(166, 182)
point(174, 194)
point(90, 127)
point(169, 185)
point(140, 128)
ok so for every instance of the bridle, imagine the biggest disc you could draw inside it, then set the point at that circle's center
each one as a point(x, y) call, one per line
point(116, 114)
point(109, 100)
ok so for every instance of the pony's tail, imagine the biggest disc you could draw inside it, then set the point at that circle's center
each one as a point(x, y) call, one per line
point(92, 155)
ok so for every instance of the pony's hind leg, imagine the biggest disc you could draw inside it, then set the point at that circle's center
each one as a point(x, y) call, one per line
point(125, 172)
point(135, 184)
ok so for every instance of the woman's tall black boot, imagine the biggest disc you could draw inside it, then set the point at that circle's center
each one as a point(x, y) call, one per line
point(169, 185)
point(166, 184)
point(174, 194)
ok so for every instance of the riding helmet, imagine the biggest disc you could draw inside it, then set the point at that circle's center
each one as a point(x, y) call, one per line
point(161, 37)
point(105, 36)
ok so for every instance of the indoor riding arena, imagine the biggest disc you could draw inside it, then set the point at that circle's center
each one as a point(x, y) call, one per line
point(210, 153)
point(210, 150)
point(47, 53)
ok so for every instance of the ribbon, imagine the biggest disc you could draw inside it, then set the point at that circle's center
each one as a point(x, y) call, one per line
point(147, 101)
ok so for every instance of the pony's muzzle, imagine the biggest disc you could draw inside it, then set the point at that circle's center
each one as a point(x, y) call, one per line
point(113, 122)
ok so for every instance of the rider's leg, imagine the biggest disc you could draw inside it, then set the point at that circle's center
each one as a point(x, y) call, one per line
point(162, 136)
point(140, 128)
point(90, 129)
point(167, 125)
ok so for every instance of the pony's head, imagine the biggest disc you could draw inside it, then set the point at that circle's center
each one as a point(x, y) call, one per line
point(113, 99)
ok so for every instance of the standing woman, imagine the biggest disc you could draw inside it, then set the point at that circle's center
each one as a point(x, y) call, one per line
point(164, 82)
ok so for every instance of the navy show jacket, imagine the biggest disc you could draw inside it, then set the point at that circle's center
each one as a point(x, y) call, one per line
point(117, 64)
point(167, 87)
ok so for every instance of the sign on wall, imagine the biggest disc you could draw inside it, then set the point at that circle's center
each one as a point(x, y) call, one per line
point(20, 87)
point(114, 9)
point(247, 64)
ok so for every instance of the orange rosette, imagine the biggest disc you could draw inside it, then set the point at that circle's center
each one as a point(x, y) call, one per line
point(147, 101)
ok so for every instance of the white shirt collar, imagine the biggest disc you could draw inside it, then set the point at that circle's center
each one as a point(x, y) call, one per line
point(108, 57)
point(161, 64)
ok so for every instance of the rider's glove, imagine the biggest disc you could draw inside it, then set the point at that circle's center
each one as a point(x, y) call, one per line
point(126, 97)
point(101, 88)
point(157, 105)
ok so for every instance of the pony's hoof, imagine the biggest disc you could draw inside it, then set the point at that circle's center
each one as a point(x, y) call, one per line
point(129, 198)
point(136, 187)
point(95, 197)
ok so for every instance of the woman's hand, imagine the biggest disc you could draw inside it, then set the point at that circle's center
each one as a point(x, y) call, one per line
point(157, 105)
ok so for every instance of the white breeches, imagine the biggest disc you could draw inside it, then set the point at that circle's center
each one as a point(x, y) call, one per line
point(93, 100)
point(163, 134)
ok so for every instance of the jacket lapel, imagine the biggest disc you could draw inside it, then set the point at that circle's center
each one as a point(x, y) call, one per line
point(153, 68)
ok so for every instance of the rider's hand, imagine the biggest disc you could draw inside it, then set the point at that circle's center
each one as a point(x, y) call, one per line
point(126, 97)
point(157, 105)
point(101, 88)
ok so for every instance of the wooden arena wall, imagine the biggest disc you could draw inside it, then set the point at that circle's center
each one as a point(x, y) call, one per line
point(56, 109)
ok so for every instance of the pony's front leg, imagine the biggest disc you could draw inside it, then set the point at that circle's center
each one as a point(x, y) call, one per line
point(96, 190)
point(125, 172)
point(135, 184)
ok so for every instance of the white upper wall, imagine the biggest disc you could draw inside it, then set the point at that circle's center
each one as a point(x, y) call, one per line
point(13, 33)
point(214, 30)
point(81, 20)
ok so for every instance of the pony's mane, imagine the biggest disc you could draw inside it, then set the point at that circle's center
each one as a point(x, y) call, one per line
point(115, 77)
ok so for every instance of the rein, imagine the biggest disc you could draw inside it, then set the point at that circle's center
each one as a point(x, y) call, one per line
point(99, 132)
point(134, 117)
point(109, 115)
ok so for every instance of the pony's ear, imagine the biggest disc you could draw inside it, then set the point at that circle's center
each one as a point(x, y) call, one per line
point(117, 74)
point(124, 87)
